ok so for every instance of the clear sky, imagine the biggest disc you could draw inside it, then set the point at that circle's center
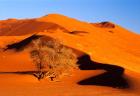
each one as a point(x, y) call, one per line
point(123, 12)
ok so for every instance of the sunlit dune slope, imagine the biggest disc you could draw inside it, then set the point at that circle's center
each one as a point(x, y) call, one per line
point(114, 45)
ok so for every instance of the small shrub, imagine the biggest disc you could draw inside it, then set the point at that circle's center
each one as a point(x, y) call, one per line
point(52, 59)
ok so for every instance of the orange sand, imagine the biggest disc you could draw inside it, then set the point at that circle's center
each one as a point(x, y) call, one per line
point(116, 46)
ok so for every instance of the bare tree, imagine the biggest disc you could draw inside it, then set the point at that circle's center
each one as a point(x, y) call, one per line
point(52, 59)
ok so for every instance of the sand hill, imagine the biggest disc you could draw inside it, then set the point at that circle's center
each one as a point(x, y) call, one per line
point(105, 43)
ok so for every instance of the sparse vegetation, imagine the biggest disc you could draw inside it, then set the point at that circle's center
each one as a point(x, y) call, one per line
point(52, 59)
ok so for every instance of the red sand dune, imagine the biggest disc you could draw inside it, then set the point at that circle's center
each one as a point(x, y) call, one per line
point(104, 42)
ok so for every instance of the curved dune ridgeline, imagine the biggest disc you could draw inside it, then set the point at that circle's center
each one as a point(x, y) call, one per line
point(112, 77)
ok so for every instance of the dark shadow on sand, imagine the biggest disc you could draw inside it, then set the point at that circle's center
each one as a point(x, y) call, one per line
point(38, 74)
point(113, 77)
point(20, 45)
point(20, 72)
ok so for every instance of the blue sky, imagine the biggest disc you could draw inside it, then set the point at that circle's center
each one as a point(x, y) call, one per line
point(123, 12)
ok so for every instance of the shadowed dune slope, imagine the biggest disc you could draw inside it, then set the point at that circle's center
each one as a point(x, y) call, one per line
point(112, 77)
point(104, 25)
point(23, 27)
